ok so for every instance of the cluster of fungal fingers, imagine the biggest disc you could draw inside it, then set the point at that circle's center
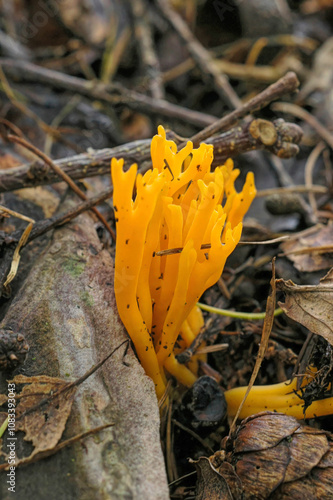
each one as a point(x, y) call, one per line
point(284, 397)
point(179, 205)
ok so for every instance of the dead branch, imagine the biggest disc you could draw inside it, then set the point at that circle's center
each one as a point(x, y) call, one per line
point(110, 93)
point(201, 55)
point(289, 83)
point(278, 137)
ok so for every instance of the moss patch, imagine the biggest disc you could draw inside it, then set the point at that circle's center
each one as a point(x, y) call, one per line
point(86, 298)
point(73, 267)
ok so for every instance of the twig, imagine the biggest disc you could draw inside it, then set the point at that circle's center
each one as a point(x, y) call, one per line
point(186, 355)
point(292, 189)
point(43, 226)
point(60, 446)
point(278, 137)
point(308, 170)
point(285, 85)
point(266, 330)
point(61, 174)
point(194, 435)
point(294, 109)
point(77, 166)
point(202, 56)
point(283, 202)
point(205, 246)
point(73, 385)
point(115, 46)
point(143, 34)
point(12, 48)
point(110, 93)
point(48, 129)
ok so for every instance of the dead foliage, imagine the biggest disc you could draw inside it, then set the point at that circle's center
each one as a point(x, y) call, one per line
point(270, 455)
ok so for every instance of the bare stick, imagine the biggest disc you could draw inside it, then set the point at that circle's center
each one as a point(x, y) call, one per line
point(143, 34)
point(43, 226)
point(202, 56)
point(285, 85)
point(110, 93)
point(65, 177)
point(278, 137)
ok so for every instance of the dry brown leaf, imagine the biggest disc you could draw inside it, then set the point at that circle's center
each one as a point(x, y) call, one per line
point(312, 249)
point(310, 305)
point(42, 418)
point(270, 455)
point(211, 485)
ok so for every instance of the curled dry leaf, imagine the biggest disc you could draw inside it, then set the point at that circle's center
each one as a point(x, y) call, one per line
point(270, 455)
point(312, 249)
point(41, 417)
point(310, 305)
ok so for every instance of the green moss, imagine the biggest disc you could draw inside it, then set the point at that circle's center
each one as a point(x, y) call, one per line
point(73, 267)
point(86, 298)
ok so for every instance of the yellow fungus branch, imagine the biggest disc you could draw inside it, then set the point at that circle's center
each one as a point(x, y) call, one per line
point(177, 205)
point(282, 397)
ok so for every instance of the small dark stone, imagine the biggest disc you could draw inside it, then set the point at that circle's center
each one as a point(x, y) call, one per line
point(203, 405)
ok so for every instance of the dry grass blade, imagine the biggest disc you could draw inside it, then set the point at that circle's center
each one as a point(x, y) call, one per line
point(16, 257)
point(266, 330)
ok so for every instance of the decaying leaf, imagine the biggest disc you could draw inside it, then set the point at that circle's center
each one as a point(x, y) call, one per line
point(273, 456)
point(211, 484)
point(310, 305)
point(312, 249)
point(39, 415)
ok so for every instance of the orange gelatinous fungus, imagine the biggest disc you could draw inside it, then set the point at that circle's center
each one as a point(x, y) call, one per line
point(179, 204)
point(283, 398)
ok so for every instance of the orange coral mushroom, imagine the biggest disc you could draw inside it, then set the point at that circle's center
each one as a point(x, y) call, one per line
point(178, 204)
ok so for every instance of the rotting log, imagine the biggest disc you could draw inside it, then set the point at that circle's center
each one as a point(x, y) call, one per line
point(66, 310)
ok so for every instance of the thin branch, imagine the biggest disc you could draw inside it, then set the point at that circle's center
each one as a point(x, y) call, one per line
point(285, 85)
point(278, 137)
point(109, 93)
point(201, 55)
point(61, 174)
point(143, 34)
